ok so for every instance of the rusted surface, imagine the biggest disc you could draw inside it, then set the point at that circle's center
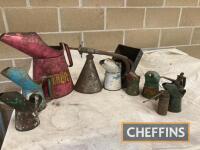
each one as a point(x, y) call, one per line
point(48, 62)
point(151, 85)
point(25, 121)
point(124, 59)
point(133, 82)
point(176, 96)
point(176, 91)
point(26, 111)
point(134, 54)
point(88, 81)
point(128, 65)
point(163, 103)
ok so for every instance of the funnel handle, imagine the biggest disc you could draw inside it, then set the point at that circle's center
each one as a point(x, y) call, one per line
point(66, 48)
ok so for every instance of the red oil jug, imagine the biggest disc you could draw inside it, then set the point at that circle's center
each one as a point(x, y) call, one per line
point(49, 64)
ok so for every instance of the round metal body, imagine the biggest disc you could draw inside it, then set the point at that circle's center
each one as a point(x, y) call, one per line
point(151, 86)
point(163, 103)
point(54, 75)
point(48, 62)
point(112, 81)
point(25, 121)
point(133, 82)
point(175, 104)
point(176, 95)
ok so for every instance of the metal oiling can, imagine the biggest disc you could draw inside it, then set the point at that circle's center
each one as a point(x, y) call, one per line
point(163, 103)
point(151, 86)
point(25, 121)
point(133, 82)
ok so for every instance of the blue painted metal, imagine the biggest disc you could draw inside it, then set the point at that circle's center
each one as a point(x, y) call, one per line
point(22, 79)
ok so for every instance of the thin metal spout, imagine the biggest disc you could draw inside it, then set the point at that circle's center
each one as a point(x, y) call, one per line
point(128, 63)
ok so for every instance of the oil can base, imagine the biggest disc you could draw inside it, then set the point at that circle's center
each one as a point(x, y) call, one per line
point(25, 121)
point(149, 92)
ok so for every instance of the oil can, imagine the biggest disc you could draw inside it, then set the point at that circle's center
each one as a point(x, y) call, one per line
point(49, 64)
point(163, 102)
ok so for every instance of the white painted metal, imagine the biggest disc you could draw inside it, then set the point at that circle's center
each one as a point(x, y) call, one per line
point(112, 80)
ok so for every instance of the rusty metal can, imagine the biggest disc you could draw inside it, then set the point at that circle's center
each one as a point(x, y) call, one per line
point(163, 103)
point(151, 86)
point(88, 81)
point(176, 95)
point(133, 82)
point(25, 121)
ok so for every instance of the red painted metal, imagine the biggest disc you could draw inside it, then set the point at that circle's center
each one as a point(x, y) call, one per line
point(49, 65)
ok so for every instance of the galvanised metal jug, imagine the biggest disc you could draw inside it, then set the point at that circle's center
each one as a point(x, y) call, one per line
point(26, 111)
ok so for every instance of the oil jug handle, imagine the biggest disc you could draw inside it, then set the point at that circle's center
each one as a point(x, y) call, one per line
point(66, 48)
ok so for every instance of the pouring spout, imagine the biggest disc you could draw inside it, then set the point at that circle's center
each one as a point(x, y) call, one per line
point(30, 43)
point(2, 35)
point(14, 100)
point(22, 79)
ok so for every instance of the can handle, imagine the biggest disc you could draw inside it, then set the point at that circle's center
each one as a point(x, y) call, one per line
point(46, 83)
point(66, 48)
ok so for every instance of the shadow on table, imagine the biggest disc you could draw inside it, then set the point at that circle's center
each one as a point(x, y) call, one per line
point(5, 114)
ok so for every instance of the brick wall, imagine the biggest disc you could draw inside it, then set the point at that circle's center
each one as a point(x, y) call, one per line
point(100, 24)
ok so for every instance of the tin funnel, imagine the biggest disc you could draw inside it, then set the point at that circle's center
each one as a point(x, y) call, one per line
point(88, 81)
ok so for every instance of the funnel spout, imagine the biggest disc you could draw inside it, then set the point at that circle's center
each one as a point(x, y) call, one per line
point(29, 43)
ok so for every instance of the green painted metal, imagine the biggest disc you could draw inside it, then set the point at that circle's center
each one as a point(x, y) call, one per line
point(26, 111)
point(22, 79)
point(176, 91)
point(176, 95)
point(133, 81)
point(16, 101)
point(151, 86)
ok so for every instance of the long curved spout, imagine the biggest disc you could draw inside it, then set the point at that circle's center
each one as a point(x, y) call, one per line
point(30, 43)
point(128, 63)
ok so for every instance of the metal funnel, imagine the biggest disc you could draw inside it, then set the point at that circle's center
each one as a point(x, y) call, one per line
point(88, 81)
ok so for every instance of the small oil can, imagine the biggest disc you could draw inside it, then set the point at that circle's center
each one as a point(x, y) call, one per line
point(163, 103)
